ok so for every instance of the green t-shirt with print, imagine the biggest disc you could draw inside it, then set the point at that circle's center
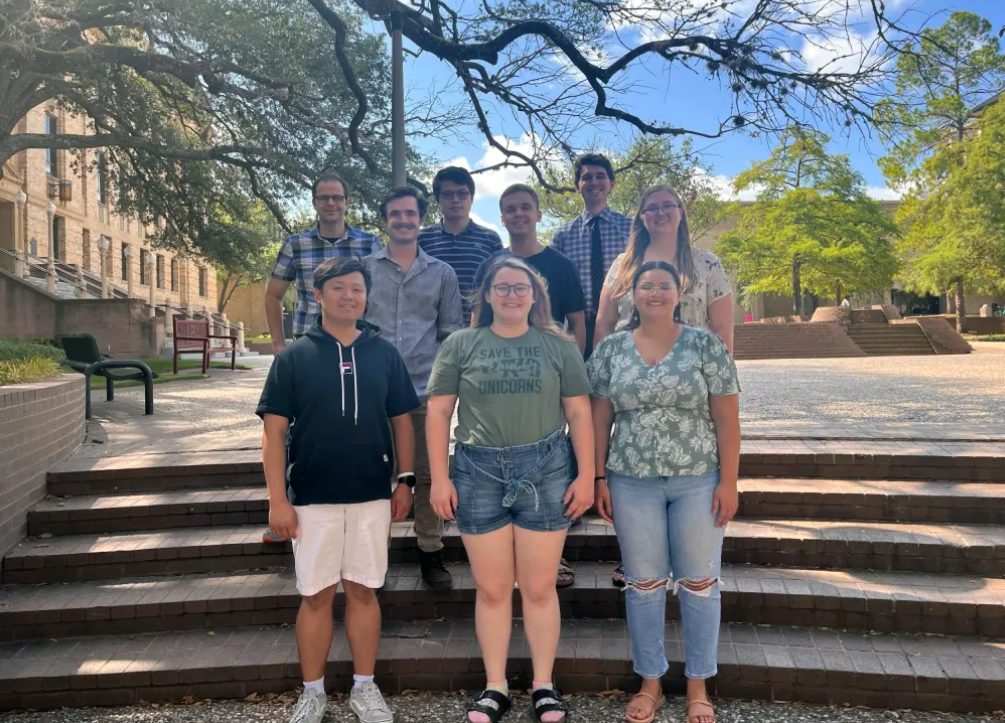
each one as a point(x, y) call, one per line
point(662, 417)
point(509, 391)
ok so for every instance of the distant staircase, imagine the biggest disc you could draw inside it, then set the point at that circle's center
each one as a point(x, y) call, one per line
point(885, 339)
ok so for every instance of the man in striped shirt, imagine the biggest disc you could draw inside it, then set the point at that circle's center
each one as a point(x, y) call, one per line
point(595, 237)
point(457, 240)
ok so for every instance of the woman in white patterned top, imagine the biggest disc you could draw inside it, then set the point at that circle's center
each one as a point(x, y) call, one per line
point(660, 233)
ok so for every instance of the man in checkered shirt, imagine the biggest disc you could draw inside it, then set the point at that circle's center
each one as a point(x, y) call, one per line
point(595, 237)
point(301, 253)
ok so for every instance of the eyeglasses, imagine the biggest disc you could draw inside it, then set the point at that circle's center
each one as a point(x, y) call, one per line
point(666, 208)
point(664, 288)
point(330, 199)
point(462, 195)
point(520, 290)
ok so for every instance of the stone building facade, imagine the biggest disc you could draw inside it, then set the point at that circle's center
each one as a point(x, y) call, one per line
point(84, 214)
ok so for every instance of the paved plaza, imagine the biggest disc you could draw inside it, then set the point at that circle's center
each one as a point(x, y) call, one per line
point(873, 403)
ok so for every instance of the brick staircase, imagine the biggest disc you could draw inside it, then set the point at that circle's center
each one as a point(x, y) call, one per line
point(865, 579)
point(890, 339)
point(792, 341)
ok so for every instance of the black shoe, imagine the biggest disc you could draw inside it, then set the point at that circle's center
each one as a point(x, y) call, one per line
point(434, 573)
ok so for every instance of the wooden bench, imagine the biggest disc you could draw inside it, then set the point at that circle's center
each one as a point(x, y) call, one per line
point(192, 336)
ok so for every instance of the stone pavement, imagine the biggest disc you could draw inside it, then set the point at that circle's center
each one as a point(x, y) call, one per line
point(934, 405)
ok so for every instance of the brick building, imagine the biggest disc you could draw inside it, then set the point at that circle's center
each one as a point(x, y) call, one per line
point(84, 215)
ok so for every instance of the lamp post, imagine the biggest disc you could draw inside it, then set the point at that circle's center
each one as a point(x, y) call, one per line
point(150, 278)
point(103, 248)
point(20, 242)
point(127, 252)
point(50, 275)
point(397, 102)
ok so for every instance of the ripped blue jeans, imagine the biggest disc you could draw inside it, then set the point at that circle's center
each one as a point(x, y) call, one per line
point(523, 485)
point(664, 524)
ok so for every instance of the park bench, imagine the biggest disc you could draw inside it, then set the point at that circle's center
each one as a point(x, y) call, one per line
point(191, 336)
point(82, 355)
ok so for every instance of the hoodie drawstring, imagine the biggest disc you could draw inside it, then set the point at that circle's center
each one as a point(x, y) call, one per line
point(355, 391)
point(341, 375)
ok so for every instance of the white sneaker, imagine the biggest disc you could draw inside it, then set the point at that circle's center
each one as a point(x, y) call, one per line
point(369, 706)
point(310, 708)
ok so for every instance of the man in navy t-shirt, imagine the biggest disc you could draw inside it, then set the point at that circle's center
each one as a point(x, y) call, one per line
point(336, 406)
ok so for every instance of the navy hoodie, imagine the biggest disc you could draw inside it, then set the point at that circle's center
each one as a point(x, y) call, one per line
point(339, 400)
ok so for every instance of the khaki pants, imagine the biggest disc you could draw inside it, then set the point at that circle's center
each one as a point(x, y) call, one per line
point(428, 526)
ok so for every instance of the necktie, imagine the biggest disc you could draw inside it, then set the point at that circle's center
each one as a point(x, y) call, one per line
point(596, 262)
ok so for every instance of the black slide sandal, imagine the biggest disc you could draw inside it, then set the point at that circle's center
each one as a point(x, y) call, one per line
point(547, 700)
point(491, 703)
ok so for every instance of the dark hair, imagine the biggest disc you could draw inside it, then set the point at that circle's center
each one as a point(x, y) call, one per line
point(455, 174)
point(540, 313)
point(634, 322)
point(520, 188)
point(340, 266)
point(329, 176)
point(593, 159)
point(639, 240)
point(403, 192)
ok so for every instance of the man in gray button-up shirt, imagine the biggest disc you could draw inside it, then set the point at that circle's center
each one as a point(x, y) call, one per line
point(415, 301)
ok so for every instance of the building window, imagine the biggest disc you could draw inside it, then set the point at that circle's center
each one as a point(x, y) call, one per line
point(144, 255)
point(174, 274)
point(100, 173)
point(202, 281)
point(51, 157)
point(160, 271)
point(125, 262)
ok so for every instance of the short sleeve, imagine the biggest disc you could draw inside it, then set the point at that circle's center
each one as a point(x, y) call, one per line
point(445, 379)
point(716, 281)
point(285, 269)
point(599, 368)
point(612, 273)
point(401, 396)
point(278, 396)
point(575, 381)
point(718, 367)
point(575, 300)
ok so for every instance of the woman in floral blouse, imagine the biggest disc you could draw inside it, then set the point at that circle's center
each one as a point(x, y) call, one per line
point(666, 480)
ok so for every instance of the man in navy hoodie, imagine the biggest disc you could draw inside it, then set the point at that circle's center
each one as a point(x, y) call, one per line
point(332, 402)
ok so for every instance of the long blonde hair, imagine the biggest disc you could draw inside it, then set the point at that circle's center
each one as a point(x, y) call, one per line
point(540, 312)
point(639, 240)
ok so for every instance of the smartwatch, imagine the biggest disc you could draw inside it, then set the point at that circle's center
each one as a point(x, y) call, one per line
point(407, 478)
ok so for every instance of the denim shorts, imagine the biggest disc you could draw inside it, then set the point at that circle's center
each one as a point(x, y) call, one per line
point(522, 486)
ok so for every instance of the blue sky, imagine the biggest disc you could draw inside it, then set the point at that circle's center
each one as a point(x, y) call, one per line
point(682, 98)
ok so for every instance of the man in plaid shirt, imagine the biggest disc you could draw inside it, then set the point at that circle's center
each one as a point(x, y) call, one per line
point(595, 237)
point(301, 253)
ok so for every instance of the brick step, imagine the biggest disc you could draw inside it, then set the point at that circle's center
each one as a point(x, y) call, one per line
point(863, 601)
point(201, 473)
point(790, 664)
point(955, 549)
point(759, 497)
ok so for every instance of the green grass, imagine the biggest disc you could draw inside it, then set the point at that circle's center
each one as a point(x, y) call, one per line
point(164, 367)
point(986, 337)
point(19, 350)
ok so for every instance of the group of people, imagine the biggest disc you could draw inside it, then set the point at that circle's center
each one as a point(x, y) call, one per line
point(618, 324)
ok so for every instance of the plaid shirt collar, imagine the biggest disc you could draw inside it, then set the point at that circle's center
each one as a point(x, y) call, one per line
point(607, 215)
point(350, 233)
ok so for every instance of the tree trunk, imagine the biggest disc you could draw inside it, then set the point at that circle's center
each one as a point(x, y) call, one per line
point(961, 306)
point(837, 294)
point(797, 290)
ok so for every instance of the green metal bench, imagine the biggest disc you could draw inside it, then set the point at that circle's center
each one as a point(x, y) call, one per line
point(82, 355)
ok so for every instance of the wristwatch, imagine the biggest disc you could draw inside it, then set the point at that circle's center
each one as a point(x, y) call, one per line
point(407, 478)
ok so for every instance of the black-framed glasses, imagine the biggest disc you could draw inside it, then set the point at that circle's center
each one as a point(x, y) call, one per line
point(461, 195)
point(666, 208)
point(664, 287)
point(519, 290)
point(333, 198)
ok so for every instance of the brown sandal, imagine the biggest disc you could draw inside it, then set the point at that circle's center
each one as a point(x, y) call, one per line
point(691, 718)
point(566, 575)
point(657, 704)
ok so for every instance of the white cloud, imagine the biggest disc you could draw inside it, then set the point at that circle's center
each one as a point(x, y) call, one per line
point(487, 224)
point(883, 193)
point(491, 184)
point(839, 55)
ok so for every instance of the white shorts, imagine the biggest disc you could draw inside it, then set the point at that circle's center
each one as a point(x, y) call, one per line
point(341, 542)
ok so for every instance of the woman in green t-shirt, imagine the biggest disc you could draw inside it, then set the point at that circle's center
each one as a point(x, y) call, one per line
point(516, 378)
point(666, 479)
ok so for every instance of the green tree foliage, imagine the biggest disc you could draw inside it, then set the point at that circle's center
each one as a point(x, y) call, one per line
point(646, 162)
point(942, 163)
point(812, 228)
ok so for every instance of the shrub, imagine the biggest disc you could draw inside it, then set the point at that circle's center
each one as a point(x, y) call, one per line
point(18, 350)
point(23, 371)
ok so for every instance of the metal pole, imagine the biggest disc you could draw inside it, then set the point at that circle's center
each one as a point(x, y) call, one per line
point(397, 102)
point(20, 243)
point(50, 271)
